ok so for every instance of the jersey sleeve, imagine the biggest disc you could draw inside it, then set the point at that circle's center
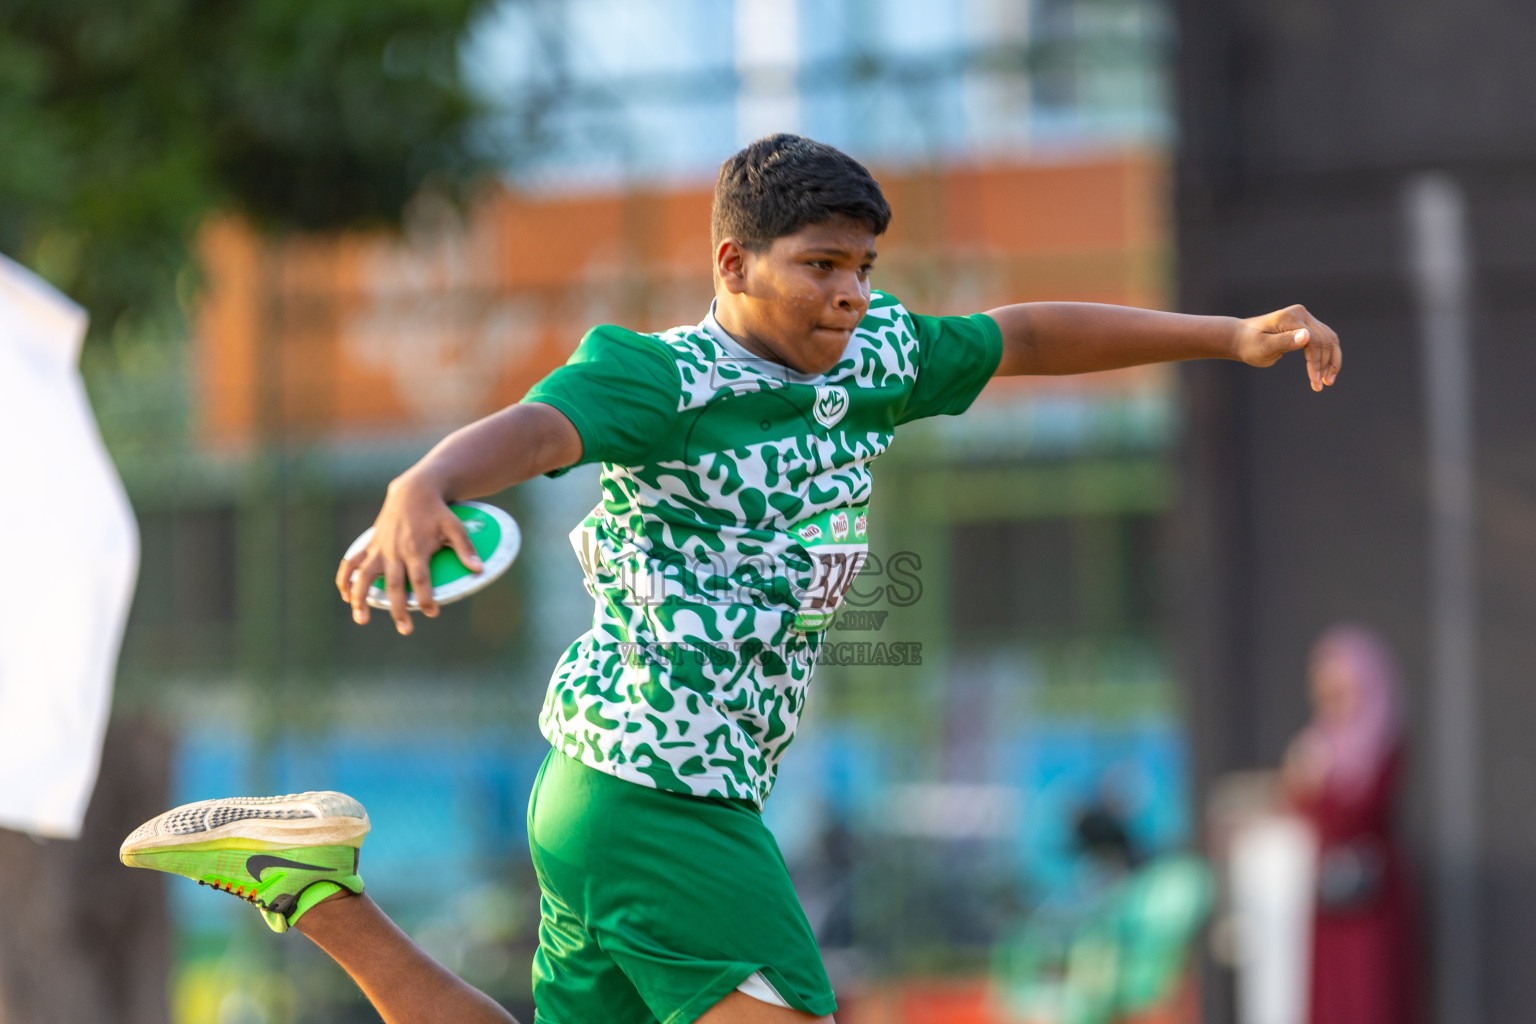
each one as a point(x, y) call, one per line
point(956, 356)
point(620, 389)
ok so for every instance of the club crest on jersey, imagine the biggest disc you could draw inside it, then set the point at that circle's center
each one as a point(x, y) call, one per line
point(831, 403)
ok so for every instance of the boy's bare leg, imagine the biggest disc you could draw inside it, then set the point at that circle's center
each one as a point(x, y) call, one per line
point(740, 1008)
point(402, 982)
point(407, 986)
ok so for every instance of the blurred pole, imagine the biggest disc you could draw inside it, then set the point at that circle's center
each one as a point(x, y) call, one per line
point(1439, 251)
point(261, 537)
point(1273, 871)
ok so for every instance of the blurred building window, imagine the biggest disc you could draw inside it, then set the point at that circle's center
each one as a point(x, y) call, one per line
point(603, 91)
point(1033, 578)
point(184, 612)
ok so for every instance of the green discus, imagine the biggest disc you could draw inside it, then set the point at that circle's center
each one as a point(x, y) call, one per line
point(496, 538)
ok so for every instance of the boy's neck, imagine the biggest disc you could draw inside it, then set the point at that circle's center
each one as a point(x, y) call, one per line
point(729, 316)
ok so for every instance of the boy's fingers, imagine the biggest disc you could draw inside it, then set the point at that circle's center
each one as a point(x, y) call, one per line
point(1294, 328)
point(1272, 343)
point(419, 571)
point(394, 586)
point(458, 539)
point(344, 575)
point(1326, 345)
point(362, 577)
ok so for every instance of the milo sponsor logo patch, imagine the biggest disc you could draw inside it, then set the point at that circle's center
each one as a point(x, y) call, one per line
point(836, 542)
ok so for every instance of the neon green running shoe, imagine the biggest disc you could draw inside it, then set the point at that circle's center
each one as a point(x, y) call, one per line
point(283, 854)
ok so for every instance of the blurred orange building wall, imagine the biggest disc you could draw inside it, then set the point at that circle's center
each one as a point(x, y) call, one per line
point(330, 337)
point(972, 1001)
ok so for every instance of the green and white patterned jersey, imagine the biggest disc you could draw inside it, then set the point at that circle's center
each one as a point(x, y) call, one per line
point(734, 513)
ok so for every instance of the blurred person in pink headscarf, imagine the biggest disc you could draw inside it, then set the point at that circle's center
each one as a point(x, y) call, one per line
point(1342, 774)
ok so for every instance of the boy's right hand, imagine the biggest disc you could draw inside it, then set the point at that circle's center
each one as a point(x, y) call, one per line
point(413, 525)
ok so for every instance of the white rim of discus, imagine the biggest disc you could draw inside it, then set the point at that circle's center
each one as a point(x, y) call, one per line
point(499, 562)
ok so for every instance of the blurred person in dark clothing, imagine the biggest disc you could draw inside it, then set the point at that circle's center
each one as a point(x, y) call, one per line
point(1342, 773)
point(1101, 834)
point(1122, 957)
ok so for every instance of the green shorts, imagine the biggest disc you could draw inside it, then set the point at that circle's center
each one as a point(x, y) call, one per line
point(657, 905)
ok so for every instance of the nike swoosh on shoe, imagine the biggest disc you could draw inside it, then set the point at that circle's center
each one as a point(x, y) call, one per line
point(260, 862)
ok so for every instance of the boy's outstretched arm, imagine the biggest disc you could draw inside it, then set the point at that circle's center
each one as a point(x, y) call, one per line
point(1080, 337)
point(505, 448)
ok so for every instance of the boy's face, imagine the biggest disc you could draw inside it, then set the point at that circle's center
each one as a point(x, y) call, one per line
point(798, 301)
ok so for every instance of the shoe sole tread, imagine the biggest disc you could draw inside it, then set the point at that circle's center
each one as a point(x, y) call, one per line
point(296, 820)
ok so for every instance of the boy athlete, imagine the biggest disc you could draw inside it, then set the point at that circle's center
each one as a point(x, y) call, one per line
point(735, 499)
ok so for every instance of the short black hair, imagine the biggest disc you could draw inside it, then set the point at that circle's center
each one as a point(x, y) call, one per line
point(779, 184)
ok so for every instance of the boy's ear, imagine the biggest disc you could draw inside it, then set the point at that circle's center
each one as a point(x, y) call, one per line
point(731, 265)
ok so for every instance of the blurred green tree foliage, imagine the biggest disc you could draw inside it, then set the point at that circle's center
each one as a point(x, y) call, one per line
point(124, 125)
